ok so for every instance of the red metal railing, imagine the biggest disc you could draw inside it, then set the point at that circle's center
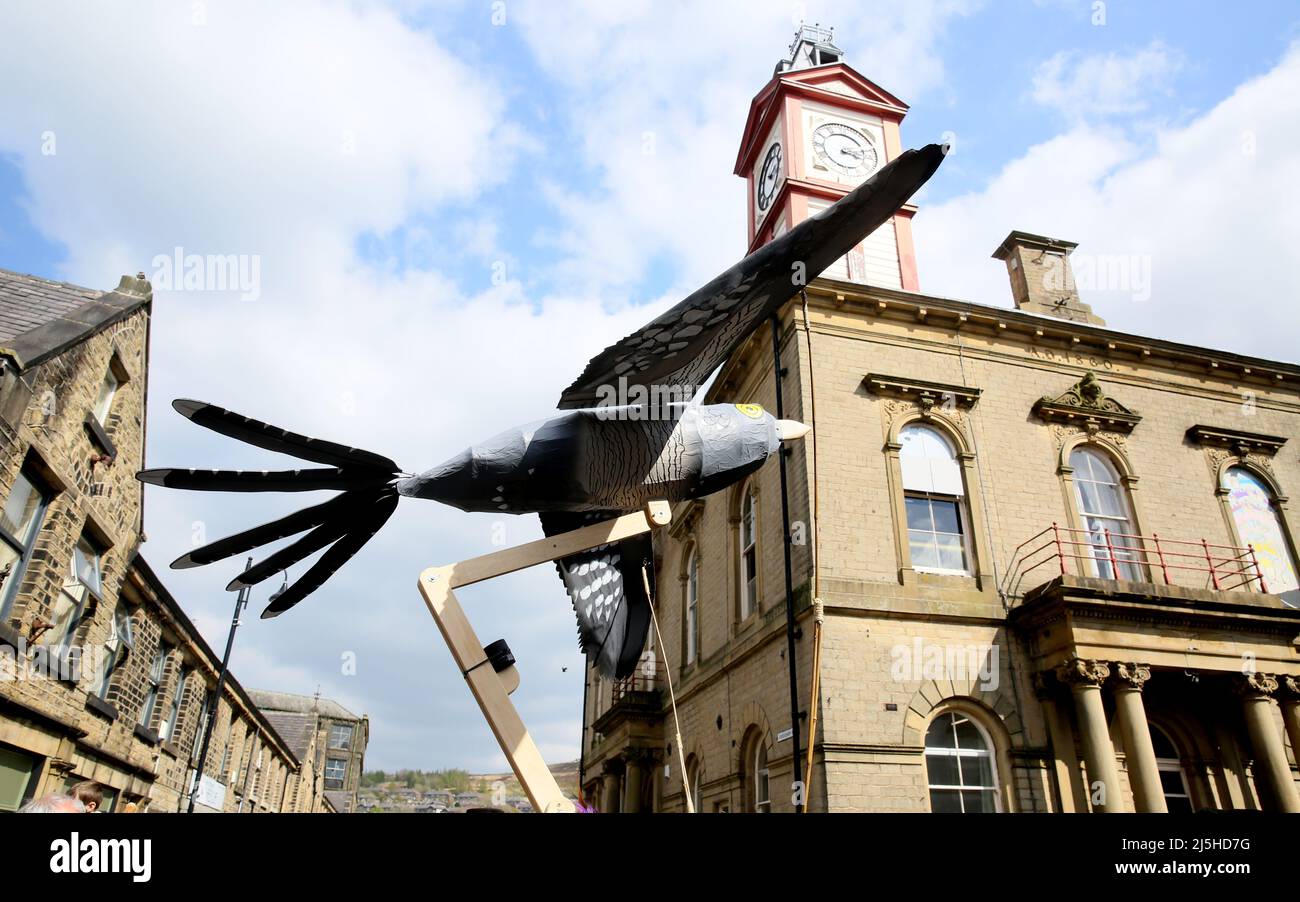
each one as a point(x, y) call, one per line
point(1135, 558)
point(644, 679)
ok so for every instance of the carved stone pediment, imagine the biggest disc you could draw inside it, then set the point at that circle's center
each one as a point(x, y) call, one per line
point(685, 519)
point(923, 393)
point(1240, 443)
point(1086, 406)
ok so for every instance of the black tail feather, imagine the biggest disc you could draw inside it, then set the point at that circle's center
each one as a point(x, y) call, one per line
point(341, 525)
point(338, 555)
point(263, 480)
point(262, 535)
point(273, 438)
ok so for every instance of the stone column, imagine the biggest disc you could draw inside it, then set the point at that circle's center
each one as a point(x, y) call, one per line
point(1289, 699)
point(609, 798)
point(1271, 767)
point(1143, 773)
point(1084, 679)
point(632, 787)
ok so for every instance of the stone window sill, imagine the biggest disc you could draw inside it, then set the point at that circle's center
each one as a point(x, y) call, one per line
point(97, 705)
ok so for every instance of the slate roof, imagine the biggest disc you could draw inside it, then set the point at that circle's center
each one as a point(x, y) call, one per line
point(296, 729)
point(40, 317)
point(299, 704)
point(342, 801)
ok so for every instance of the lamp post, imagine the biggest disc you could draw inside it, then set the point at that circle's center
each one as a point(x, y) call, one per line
point(241, 601)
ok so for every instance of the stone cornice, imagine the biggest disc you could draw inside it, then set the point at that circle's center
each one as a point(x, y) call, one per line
point(922, 392)
point(1033, 329)
point(1085, 404)
point(1235, 439)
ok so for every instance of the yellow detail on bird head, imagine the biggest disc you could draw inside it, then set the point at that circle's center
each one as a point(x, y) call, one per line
point(753, 411)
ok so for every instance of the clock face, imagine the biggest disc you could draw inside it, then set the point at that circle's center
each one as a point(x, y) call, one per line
point(844, 149)
point(769, 176)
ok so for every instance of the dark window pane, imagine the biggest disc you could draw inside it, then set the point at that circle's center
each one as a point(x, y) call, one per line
point(941, 770)
point(976, 771)
point(1171, 781)
point(968, 735)
point(945, 801)
point(978, 801)
point(940, 735)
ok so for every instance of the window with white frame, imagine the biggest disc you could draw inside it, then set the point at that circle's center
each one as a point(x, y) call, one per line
point(168, 728)
point(121, 642)
point(1254, 513)
point(1107, 519)
point(107, 391)
point(762, 781)
point(336, 772)
point(152, 682)
point(20, 522)
point(82, 586)
point(1173, 780)
point(934, 497)
point(692, 607)
point(341, 736)
point(959, 766)
point(748, 553)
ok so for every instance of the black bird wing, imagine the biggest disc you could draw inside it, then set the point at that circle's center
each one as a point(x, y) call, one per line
point(687, 343)
point(608, 593)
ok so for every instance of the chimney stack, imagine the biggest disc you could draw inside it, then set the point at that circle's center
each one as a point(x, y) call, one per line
point(1041, 278)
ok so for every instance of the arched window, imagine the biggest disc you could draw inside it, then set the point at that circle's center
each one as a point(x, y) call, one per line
point(762, 782)
point(1104, 511)
point(934, 497)
point(959, 765)
point(1178, 799)
point(748, 553)
point(693, 779)
point(1255, 515)
point(692, 607)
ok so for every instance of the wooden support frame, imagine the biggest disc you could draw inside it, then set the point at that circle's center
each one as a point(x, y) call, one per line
point(492, 689)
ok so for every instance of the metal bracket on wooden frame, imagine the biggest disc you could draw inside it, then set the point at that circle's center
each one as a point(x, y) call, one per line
point(491, 688)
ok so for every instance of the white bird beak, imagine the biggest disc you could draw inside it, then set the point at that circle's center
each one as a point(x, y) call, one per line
point(789, 430)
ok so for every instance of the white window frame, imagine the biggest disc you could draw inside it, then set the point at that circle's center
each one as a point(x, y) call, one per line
point(1128, 557)
point(107, 392)
point(121, 642)
point(990, 751)
point(22, 545)
point(692, 607)
point(959, 501)
point(748, 546)
point(342, 780)
point(167, 729)
point(347, 745)
point(762, 778)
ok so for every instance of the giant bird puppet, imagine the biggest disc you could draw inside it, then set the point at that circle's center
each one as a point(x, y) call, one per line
point(586, 464)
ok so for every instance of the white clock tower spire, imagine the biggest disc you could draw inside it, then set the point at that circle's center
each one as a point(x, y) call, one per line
point(816, 131)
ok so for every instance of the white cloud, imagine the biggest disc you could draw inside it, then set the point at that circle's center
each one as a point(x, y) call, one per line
point(1083, 86)
point(1212, 207)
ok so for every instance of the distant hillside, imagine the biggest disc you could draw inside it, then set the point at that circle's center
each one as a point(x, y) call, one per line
point(452, 789)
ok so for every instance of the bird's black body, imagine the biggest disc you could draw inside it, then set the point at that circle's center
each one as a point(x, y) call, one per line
point(582, 466)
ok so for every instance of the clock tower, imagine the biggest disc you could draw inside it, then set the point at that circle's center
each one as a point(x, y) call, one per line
point(815, 132)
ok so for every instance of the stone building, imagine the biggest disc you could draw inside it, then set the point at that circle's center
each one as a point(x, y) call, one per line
point(1055, 562)
point(102, 675)
point(328, 739)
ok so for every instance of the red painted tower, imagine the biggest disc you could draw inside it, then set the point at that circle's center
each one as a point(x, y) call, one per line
point(817, 130)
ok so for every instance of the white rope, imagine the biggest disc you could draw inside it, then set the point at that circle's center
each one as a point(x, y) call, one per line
point(672, 698)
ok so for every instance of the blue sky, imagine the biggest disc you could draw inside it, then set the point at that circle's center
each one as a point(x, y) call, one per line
point(452, 214)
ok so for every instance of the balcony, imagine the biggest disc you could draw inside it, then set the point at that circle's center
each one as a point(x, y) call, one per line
point(635, 697)
point(1060, 551)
